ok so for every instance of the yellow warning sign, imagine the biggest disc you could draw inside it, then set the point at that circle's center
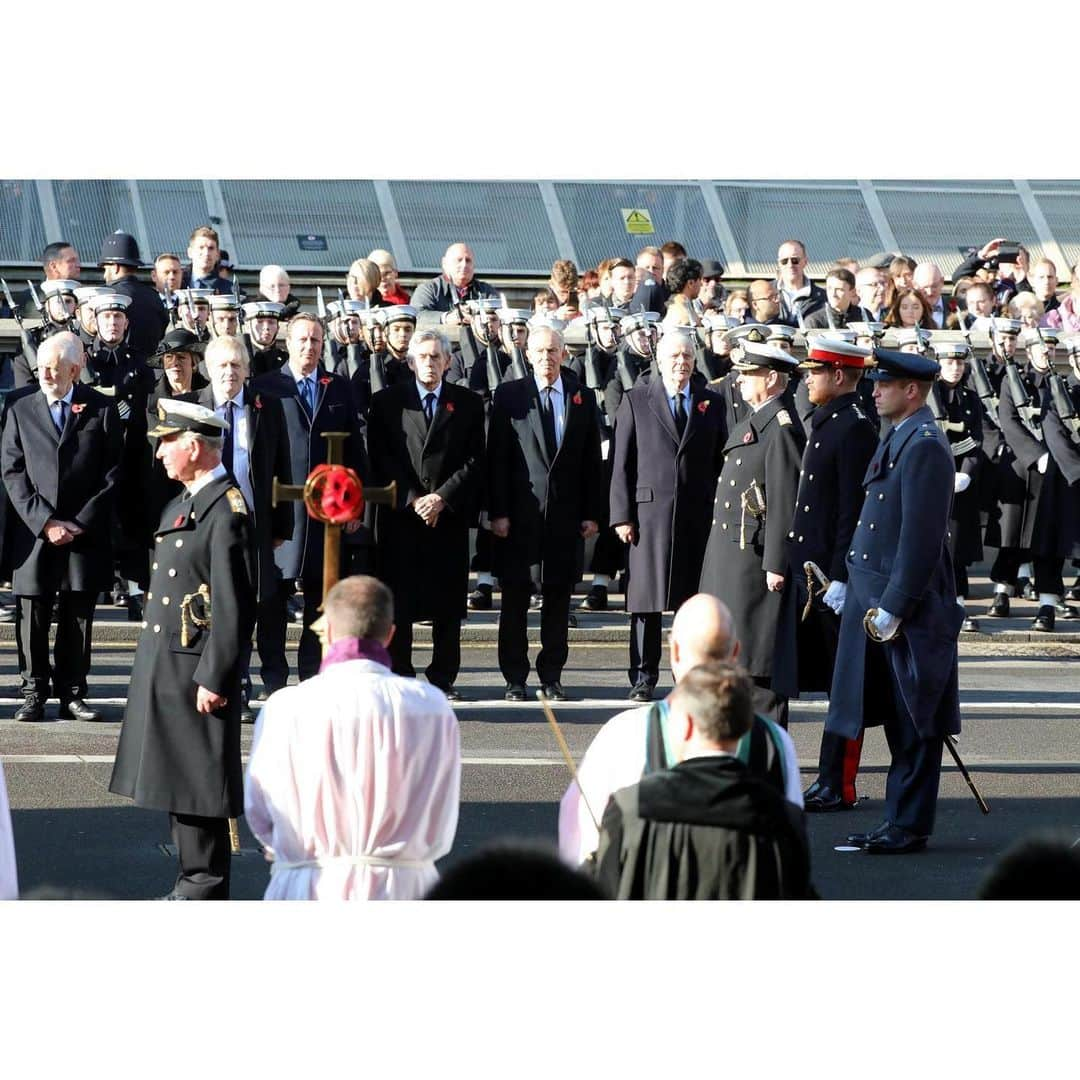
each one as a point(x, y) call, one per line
point(637, 222)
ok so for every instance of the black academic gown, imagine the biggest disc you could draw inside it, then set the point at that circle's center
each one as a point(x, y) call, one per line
point(707, 829)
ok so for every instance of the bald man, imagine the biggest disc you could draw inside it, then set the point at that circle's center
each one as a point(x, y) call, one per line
point(453, 286)
point(929, 280)
point(635, 741)
point(274, 285)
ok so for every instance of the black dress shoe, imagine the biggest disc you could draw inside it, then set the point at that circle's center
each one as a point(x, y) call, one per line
point(895, 841)
point(247, 714)
point(1027, 591)
point(999, 607)
point(861, 839)
point(571, 621)
point(825, 800)
point(77, 709)
point(480, 598)
point(31, 711)
point(7, 613)
point(134, 609)
point(452, 693)
point(553, 691)
point(1044, 620)
point(536, 602)
point(514, 692)
point(596, 600)
point(970, 625)
point(641, 692)
point(1065, 613)
point(1073, 591)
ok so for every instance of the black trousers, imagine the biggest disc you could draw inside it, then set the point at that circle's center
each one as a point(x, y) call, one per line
point(205, 856)
point(445, 651)
point(514, 632)
point(71, 653)
point(1047, 572)
point(645, 648)
point(271, 630)
point(838, 763)
point(769, 704)
point(481, 560)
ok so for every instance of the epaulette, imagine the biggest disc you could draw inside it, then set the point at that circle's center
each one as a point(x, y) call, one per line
point(858, 412)
point(782, 417)
point(236, 500)
point(929, 431)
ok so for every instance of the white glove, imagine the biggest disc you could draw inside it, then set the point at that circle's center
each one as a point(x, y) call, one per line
point(961, 483)
point(834, 596)
point(1043, 462)
point(886, 624)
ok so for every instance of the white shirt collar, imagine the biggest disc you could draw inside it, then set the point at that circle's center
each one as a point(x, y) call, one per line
point(312, 375)
point(66, 399)
point(215, 473)
point(685, 392)
point(219, 402)
point(423, 391)
point(556, 385)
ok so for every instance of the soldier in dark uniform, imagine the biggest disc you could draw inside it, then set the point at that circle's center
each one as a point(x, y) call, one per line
point(84, 312)
point(390, 364)
point(635, 358)
point(746, 558)
point(193, 311)
point(344, 348)
point(147, 319)
point(1061, 429)
point(897, 657)
point(61, 462)
point(314, 401)
point(224, 316)
point(59, 303)
point(669, 439)
point(597, 365)
point(544, 498)
point(262, 318)
point(840, 441)
point(1031, 488)
point(179, 748)
point(427, 436)
point(714, 358)
point(115, 369)
point(958, 412)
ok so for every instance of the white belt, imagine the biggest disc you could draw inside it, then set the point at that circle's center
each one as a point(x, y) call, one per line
point(324, 861)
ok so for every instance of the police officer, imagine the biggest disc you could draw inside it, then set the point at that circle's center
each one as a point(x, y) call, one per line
point(262, 318)
point(746, 556)
point(58, 304)
point(897, 657)
point(958, 412)
point(179, 748)
point(147, 319)
point(840, 441)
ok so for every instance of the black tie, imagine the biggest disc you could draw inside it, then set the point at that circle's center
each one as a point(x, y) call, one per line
point(227, 452)
point(680, 414)
point(429, 408)
point(548, 419)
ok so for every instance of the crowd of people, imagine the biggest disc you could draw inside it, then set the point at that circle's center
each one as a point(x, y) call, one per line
point(811, 520)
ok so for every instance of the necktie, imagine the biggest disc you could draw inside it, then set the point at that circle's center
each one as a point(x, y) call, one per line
point(227, 451)
point(548, 417)
point(680, 414)
point(61, 417)
point(307, 392)
point(429, 408)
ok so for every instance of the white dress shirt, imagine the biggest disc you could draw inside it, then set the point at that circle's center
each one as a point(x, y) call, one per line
point(241, 444)
point(423, 391)
point(54, 407)
point(684, 393)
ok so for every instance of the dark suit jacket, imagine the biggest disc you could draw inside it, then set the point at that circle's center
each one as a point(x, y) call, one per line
point(427, 567)
point(546, 499)
point(302, 555)
point(438, 295)
point(72, 477)
point(268, 456)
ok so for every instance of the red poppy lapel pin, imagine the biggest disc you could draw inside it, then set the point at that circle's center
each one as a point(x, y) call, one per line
point(576, 399)
point(449, 406)
point(179, 521)
point(702, 406)
point(258, 401)
point(77, 407)
point(325, 380)
point(748, 437)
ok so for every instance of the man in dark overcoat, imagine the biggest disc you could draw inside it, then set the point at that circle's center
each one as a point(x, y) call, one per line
point(545, 498)
point(61, 461)
point(841, 440)
point(314, 401)
point(179, 748)
point(669, 439)
point(746, 558)
point(897, 657)
point(427, 435)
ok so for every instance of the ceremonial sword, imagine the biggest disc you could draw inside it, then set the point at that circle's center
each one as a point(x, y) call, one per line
point(567, 756)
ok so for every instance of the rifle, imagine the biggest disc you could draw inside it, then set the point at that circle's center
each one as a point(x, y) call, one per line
point(239, 309)
point(327, 352)
point(1029, 413)
point(171, 305)
point(1063, 405)
point(29, 348)
point(981, 380)
point(519, 369)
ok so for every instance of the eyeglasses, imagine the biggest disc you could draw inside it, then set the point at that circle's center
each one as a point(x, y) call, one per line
point(794, 260)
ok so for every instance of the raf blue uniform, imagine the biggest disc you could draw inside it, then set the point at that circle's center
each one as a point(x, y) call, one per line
point(899, 562)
